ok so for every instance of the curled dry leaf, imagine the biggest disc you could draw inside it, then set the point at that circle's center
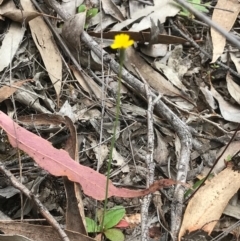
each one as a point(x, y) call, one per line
point(209, 97)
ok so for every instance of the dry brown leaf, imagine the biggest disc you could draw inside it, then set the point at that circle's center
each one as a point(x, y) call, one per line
point(109, 7)
point(154, 50)
point(20, 16)
point(95, 88)
point(72, 30)
point(170, 74)
point(10, 44)
point(134, 6)
point(7, 91)
point(142, 37)
point(75, 218)
point(133, 220)
point(225, 19)
point(161, 151)
point(102, 21)
point(70, 6)
point(155, 80)
point(9, 10)
point(39, 232)
point(81, 80)
point(15, 237)
point(88, 84)
point(46, 45)
point(209, 97)
point(207, 205)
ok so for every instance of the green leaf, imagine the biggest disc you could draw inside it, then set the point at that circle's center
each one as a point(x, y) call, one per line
point(196, 185)
point(197, 5)
point(229, 158)
point(114, 234)
point(113, 216)
point(81, 8)
point(92, 12)
point(92, 227)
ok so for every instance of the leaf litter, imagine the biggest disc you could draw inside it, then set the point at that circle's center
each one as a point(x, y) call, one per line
point(204, 97)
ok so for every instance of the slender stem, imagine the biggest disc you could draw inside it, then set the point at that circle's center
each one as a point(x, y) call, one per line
point(114, 135)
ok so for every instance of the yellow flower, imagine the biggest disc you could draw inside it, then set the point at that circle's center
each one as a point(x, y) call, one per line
point(122, 41)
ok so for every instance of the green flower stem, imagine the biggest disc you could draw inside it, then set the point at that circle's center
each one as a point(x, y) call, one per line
point(113, 140)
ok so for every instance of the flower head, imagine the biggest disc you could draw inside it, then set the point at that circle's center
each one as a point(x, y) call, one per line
point(122, 41)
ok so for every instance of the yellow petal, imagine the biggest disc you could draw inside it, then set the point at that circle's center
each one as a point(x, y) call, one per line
point(122, 41)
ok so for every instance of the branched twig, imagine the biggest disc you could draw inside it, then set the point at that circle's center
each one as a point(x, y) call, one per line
point(149, 158)
point(37, 202)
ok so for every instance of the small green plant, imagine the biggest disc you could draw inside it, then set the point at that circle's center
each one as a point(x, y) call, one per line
point(214, 66)
point(91, 12)
point(195, 186)
point(110, 219)
point(229, 158)
point(196, 4)
point(107, 219)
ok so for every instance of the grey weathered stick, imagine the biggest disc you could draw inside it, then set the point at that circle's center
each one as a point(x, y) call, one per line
point(36, 201)
point(149, 158)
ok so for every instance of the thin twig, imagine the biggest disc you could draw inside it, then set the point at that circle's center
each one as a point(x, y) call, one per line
point(37, 202)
